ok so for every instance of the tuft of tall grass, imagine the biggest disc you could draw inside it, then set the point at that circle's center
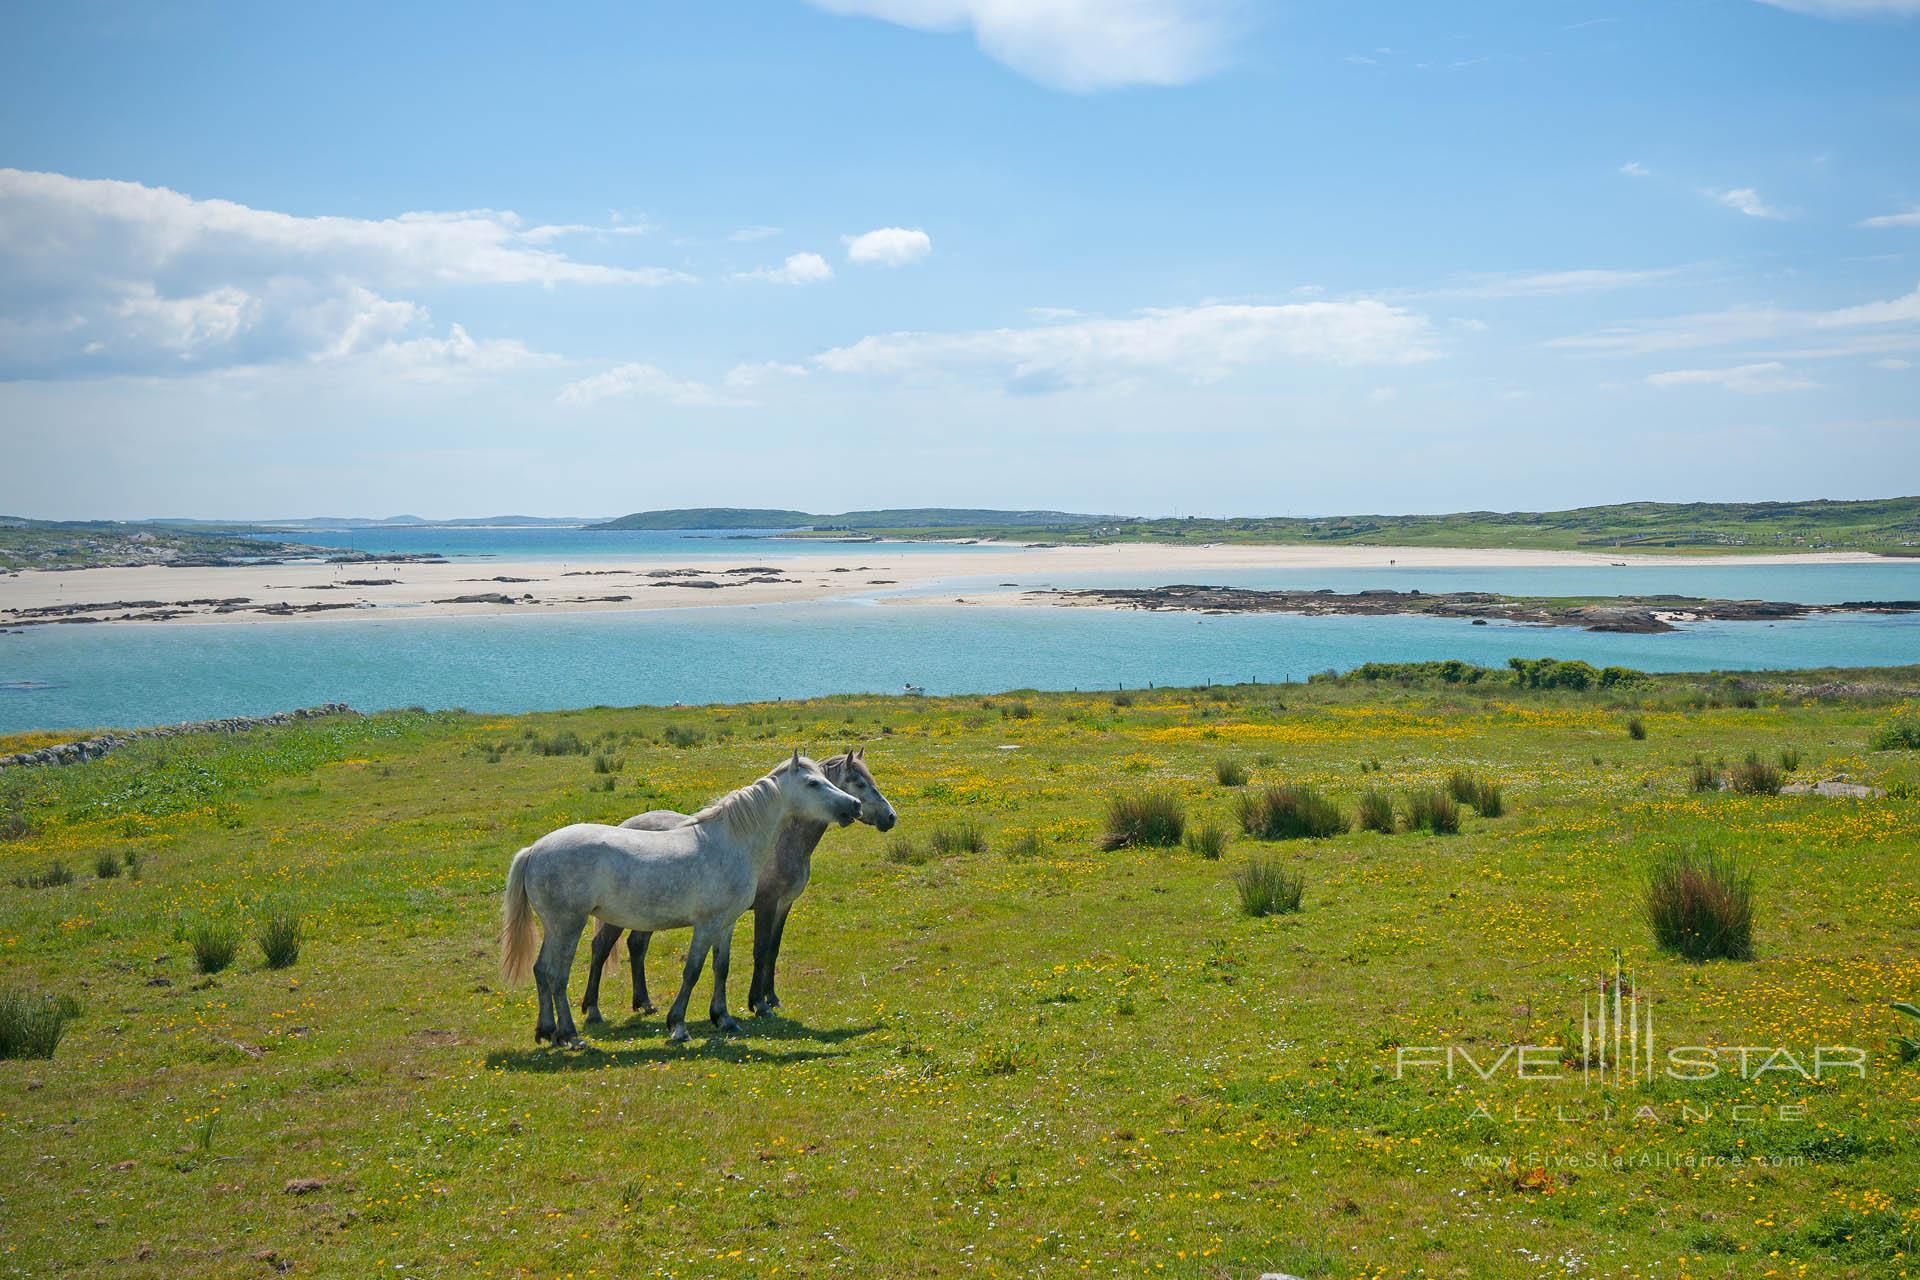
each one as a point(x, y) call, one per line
point(564, 743)
point(214, 943)
point(1267, 888)
point(1155, 819)
point(1789, 759)
point(1755, 777)
point(1230, 772)
point(1700, 906)
point(1208, 842)
point(279, 938)
point(1290, 811)
point(1702, 776)
point(908, 853)
point(1122, 699)
point(1482, 796)
point(1376, 811)
point(56, 874)
point(31, 1024)
point(1637, 729)
point(1017, 710)
point(965, 836)
point(1432, 810)
point(106, 865)
point(679, 735)
point(1902, 733)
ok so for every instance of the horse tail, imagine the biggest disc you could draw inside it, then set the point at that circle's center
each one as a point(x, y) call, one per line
point(517, 943)
point(612, 963)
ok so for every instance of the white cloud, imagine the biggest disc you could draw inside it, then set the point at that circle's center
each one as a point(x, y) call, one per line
point(747, 235)
point(1550, 284)
point(1634, 169)
point(1746, 200)
point(744, 377)
point(102, 277)
point(1202, 343)
point(1850, 8)
point(1893, 363)
point(1078, 45)
point(888, 247)
point(1908, 218)
point(645, 382)
point(799, 268)
point(1748, 379)
point(1758, 324)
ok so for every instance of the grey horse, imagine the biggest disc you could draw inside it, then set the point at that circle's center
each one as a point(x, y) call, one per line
point(784, 879)
point(701, 874)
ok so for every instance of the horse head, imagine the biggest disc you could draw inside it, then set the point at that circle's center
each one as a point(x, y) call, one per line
point(811, 794)
point(849, 772)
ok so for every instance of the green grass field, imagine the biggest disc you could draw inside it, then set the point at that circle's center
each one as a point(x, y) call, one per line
point(1038, 1058)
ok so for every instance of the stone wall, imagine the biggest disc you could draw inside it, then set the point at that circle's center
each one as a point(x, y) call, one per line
point(94, 748)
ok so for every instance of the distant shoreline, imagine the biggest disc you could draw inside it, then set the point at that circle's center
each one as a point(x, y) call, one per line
point(504, 586)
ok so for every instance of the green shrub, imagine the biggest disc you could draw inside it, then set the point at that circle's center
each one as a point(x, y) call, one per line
point(279, 938)
point(1154, 819)
point(604, 763)
point(14, 825)
point(1461, 787)
point(1755, 777)
point(1701, 906)
point(1902, 733)
point(1376, 811)
point(1789, 759)
point(1288, 812)
point(1432, 810)
point(214, 943)
point(1230, 772)
point(1702, 776)
point(1208, 842)
point(1122, 699)
point(965, 836)
point(679, 735)
point(106, 865)
point(1637, 729)
point(1017, 710)
point(31, 1024)
point(1267, 888)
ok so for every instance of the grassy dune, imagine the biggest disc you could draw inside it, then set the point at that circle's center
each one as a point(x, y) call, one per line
point(1034, 1058)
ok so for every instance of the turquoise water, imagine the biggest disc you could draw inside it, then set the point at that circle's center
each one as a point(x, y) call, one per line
point(73, 677)
point(69, 677)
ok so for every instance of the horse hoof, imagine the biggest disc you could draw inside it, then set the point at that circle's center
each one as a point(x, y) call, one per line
point(678, 1034)
point(593, 1016)
point(728, 1026)
point(649, 1007)
point(541, 1034)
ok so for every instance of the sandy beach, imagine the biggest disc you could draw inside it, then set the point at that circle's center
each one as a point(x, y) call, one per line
point(319, 592)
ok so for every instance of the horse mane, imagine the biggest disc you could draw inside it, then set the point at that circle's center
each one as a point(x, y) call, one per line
point(746, 812)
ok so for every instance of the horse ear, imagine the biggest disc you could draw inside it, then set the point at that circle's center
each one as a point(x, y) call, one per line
point(795, 762)
point(859, 753)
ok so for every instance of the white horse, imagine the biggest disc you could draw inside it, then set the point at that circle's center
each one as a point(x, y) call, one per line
point(701, 874)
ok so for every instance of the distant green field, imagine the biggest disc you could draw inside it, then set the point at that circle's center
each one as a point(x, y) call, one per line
point(1889, 527)
point(85, 545)
point(1038, 1059)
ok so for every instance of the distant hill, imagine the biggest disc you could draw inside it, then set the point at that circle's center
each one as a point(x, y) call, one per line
point(894, 518)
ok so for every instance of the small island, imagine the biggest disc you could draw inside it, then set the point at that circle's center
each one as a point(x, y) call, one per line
point(1647, 614)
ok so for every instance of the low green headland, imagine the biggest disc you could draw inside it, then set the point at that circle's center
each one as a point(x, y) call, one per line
point(1889, 526)
point(1188, 982)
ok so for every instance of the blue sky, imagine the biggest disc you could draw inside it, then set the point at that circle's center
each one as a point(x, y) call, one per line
point(1186, 256)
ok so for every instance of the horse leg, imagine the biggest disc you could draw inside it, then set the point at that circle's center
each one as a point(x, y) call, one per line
point(762, 941)
point(604, 939)
point(556, 958)
point(637, 955)
point(773, 954)
point(689, 974)
point(543, 1028)
point(717, 1009)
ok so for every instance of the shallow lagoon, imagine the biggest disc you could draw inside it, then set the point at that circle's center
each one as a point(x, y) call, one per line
point(158, 673)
